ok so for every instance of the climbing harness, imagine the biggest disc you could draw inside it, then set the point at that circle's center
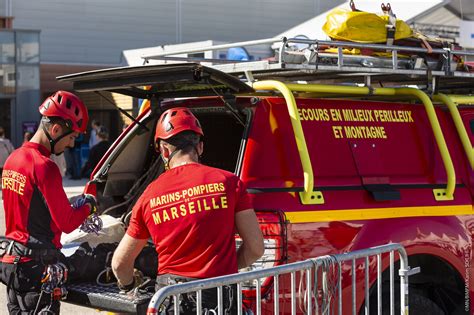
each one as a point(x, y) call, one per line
point(53, 283)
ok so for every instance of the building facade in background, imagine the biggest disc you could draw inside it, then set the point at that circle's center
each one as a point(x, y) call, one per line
point(19, 81)
point(84, 35)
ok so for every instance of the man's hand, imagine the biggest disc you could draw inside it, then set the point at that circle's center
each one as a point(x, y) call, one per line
point(136, 282)
point(79, 201)
point(124, 258)
point(90, 199)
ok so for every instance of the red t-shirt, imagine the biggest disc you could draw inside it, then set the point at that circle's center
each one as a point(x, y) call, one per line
point(189, 213)
point(37, 209)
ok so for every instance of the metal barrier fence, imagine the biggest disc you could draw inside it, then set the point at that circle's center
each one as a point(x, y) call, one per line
point(316, 296)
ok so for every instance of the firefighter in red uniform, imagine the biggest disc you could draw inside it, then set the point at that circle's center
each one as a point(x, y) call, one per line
point(37, 210)
point(191, 212)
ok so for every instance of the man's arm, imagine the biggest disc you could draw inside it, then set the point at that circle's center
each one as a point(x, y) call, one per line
point(124, 258)
point(252, 246)
point(63, 214)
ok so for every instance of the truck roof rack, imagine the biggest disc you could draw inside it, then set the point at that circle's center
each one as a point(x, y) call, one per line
point(438, 69)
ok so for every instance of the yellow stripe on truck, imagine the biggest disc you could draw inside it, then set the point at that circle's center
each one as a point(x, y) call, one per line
point(377, 213)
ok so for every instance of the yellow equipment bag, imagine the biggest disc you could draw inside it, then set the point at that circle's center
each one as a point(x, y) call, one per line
point(362, 27)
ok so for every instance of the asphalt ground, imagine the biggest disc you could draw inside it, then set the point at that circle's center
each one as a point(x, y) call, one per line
point(72, 188)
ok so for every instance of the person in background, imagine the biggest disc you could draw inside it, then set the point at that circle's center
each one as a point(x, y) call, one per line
point(194, 237)
point(60, 161)
point(69, 157)
point(37, 210)
point(97, 152)
point(93, 139)
point(73, 159)
point(27, 136)
point(6, 147)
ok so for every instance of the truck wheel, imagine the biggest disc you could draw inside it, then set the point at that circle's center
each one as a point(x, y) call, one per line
point(422, 305)
point(419, 305)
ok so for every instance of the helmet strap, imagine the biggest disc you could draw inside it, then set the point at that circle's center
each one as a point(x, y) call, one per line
point(179, 148)
point(52, 142)
point(165, 162)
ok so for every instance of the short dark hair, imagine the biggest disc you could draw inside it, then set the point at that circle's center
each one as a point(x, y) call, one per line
point(27, 136)
point(49, 121)
point(186, 141)
point(102, 132)
point(2, 131)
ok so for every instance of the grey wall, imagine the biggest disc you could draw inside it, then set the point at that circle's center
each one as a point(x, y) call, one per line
point(96, 31)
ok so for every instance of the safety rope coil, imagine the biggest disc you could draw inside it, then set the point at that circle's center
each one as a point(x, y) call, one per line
point(323, 292)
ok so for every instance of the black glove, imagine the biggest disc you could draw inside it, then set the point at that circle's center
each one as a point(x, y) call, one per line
point(90, 199)
point(137, 282)
point(85, 199)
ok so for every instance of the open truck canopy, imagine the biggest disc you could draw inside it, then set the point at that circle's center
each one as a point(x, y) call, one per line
point(162, 81)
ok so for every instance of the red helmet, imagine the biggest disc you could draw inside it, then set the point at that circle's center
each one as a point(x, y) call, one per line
point(67, 106)
point(176, 120)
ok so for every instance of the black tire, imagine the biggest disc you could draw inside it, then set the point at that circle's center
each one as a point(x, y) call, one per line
point(422, 305)
point(418, 305)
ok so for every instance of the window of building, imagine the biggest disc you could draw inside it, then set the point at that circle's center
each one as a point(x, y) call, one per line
point(28, 77)
point(28, 47)
point(7, 80)
point(7, 47)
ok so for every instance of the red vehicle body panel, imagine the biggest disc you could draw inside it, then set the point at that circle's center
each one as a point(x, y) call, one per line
point(405, 156)
point(400, 153)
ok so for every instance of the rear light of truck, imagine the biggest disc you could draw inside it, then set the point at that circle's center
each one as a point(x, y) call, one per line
point(273, 226)
point(91, 188)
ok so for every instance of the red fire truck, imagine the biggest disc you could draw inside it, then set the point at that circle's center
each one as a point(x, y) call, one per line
point(334, 161)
